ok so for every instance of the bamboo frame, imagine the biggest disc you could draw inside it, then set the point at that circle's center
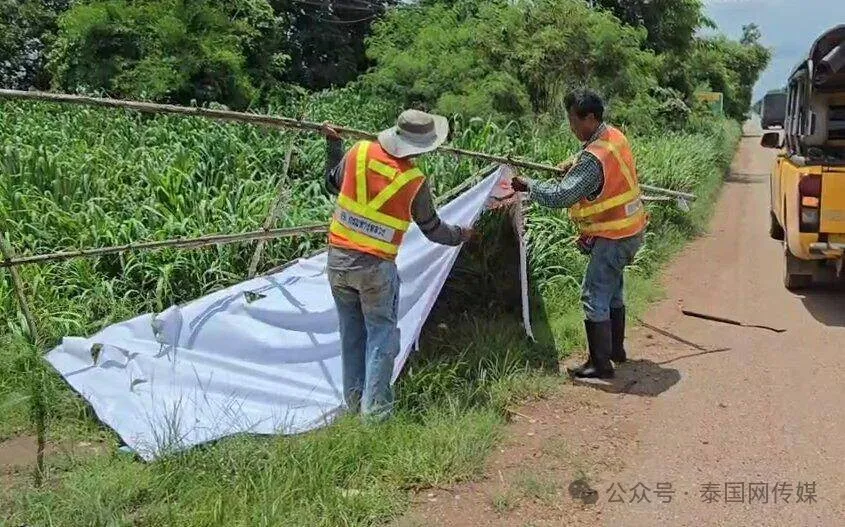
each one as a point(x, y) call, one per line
point(280, 122)
point(17, 284)
point(11, 262)
point(181, 243)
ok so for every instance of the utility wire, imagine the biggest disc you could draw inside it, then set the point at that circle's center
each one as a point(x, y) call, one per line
point(351, 7)
point(339, 21)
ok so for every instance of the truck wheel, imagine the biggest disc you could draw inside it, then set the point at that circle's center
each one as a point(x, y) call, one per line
point(775, 230)
point(791, 280)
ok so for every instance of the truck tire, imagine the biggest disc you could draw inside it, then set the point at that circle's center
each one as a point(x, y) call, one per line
point(791, 280)
point(775, 229)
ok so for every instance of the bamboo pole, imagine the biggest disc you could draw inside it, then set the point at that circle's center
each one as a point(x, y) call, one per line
point(472, 180)
point(282, 195)
point(280, 122)
point(37, 386)
point(202, 241)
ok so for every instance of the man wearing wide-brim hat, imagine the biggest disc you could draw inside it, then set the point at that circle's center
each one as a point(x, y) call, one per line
point(380, 191)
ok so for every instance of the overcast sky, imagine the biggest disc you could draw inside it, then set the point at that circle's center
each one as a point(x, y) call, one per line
point(788, 26)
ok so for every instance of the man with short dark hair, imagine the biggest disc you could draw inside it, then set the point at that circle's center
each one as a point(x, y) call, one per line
point(602, 192)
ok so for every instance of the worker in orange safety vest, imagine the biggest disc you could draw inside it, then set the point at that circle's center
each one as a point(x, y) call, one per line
point(380, 191)
point(602, 193)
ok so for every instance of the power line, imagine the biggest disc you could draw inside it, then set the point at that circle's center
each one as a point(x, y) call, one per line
point(362, 3)
point(342, 22)
point(335, 5)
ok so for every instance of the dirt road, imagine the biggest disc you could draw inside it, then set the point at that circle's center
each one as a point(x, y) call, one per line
point(752, 433)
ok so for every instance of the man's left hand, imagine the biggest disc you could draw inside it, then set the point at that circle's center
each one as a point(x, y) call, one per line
point(519, 185)
point(328, 130)
point(469, 234)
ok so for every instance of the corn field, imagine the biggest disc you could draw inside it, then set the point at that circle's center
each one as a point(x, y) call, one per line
point(74, 177)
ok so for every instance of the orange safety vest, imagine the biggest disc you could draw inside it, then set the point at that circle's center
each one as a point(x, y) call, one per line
point(617, 212)
point(374, 205)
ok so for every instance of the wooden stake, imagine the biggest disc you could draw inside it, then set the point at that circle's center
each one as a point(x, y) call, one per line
point(282, 195)
point(37, 391)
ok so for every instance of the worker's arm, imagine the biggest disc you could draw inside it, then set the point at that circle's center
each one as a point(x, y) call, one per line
point(334, 165)
point(435, 229)
point(584, 180)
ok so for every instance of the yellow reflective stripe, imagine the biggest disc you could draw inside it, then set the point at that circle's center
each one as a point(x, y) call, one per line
point(395, 186)
point(601, 206)
point(362, 239)
point(614, 225)
point(372, 214)
point(361, 172)
point(380, 168)
point(614, 149)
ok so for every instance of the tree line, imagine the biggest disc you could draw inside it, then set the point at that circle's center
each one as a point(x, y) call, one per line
point(503, 59)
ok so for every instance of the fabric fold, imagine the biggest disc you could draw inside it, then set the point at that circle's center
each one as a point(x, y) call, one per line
point(260, 357)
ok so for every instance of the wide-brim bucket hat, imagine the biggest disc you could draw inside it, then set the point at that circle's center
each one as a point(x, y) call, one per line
point(415, 133)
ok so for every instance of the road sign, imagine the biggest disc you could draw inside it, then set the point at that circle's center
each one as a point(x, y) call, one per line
point(714, 100)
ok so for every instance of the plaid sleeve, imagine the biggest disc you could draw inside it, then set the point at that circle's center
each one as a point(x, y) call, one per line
point(584, 180)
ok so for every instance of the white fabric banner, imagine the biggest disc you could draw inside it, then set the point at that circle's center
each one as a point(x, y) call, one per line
point(259, 357)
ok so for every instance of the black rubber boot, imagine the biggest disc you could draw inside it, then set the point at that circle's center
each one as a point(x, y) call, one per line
point(600, 341)
point(617, 320)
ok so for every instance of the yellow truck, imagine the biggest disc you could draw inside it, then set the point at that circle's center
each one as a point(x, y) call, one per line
point(808, 179)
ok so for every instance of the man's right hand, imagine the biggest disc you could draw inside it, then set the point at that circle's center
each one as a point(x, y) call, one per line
point(565, 165)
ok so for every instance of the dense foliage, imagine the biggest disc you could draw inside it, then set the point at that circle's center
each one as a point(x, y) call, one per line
point(27, 30)
point(164, 49)
point(501, 59)
point(206, 50)
point(505, 59)
point(516, 59)
point(671, 24)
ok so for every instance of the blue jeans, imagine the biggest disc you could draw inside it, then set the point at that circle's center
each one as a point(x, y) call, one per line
point(367, 301)
point(602, 288)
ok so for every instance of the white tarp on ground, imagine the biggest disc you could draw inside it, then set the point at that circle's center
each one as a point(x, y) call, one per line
point(260, 357)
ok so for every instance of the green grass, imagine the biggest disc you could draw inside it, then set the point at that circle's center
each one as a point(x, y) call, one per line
point(537, 487)
point(504, 501)
point(72, 177)
point(347, 474)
